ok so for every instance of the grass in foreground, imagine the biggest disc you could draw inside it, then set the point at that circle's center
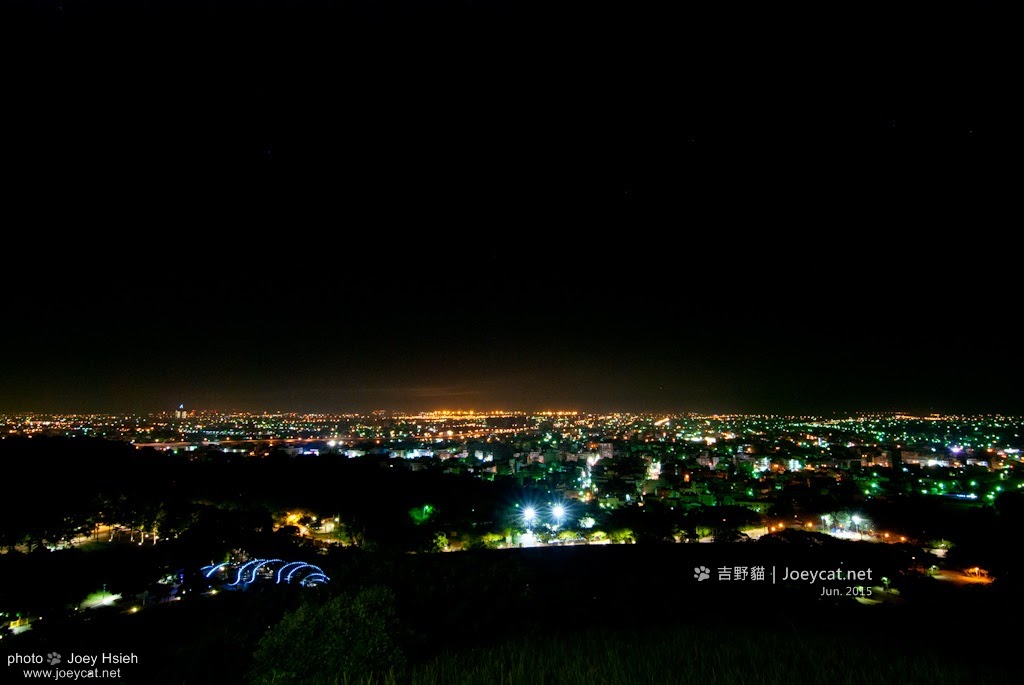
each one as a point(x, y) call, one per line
point(694, 656)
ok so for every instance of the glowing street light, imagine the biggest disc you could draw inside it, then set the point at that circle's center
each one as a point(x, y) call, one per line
point(529, 514)
point(558, 511)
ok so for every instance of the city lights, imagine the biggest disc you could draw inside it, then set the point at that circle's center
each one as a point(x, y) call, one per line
point(576, 477)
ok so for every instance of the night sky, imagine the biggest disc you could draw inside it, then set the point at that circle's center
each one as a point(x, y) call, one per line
point(344, 207)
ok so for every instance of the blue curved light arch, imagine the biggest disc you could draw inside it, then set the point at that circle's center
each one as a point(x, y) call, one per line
point(213, 568)
point(290, 563)
point(291, 573)
point(313, 578)
point(263, 562)
point(241, 570)
point(298, 568)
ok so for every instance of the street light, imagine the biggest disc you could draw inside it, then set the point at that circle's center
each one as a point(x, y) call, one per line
point(529, 514)
point(856, 524)
point(558, 511)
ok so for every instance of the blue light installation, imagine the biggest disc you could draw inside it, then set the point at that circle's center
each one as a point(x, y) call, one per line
point(213, 569)
point(242, 568)
point(256, 568)
point(290, 563)
point(304, 565)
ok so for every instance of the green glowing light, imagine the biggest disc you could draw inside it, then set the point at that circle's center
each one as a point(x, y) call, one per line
point(421, 515)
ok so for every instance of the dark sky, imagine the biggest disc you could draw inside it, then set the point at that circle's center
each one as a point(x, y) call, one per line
point(339, 206)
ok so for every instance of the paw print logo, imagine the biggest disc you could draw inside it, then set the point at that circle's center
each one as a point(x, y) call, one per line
point(701, 573)
point(52, 658)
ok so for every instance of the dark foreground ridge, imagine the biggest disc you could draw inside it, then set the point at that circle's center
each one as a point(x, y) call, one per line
point(628, 613)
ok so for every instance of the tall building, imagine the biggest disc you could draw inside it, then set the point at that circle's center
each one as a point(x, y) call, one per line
point(179, 413)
